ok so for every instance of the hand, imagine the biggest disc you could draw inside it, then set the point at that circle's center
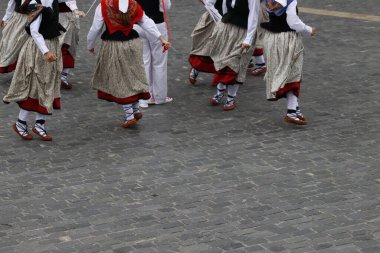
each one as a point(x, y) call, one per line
point(245, 46)
point(92, 50)
point(50, 57)
point(313, 31)
point(79, 13)
point(2, 24)
point(165, 43)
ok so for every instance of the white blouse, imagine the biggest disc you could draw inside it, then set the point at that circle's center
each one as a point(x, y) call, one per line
point(72, 4)
point(10, 9)
point(253, 17)
point(253, 20)
point(35, 27)
point(210, 7)
point(98, 27)
point(294, 21)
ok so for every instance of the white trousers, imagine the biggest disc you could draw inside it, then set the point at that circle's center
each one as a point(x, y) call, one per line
point(155, 62)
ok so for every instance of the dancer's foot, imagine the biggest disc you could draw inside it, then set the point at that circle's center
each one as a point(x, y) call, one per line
point(39, 129)
point(193, 76)
point(229, 105)
point(258, 70)
point(21, 129)
point(292, 118)
point(129, 123)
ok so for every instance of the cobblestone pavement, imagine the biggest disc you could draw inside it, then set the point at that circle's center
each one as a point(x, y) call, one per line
point(192, 178)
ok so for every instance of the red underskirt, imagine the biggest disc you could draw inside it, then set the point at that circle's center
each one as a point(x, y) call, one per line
point(258, 52)
point(68, 59)
point(33, 105)
point(295, 87)
point(206, 64)
point(226, 76)
point(202, 63)
point(123, 101)
point(8, 69)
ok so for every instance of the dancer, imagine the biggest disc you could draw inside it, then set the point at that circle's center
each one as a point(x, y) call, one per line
point(35, 84)
point(119, 74)
point(284, 48)
point(155, 61)
point(232, 48)
point(14, 35)
point(257, 64)
point(201, 35)
point(68, 17)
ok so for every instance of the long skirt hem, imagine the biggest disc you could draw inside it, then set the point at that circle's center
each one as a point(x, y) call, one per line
point(33, 105)
point(123, 101)
point(8, 69)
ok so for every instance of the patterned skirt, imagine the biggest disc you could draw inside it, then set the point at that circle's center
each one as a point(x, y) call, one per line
point(201, 35)
point(14, 37)
point(284, 53)
point(36, 83)
point(119, 73)
point(263, 17)
point(70, 39)
point(230, 60)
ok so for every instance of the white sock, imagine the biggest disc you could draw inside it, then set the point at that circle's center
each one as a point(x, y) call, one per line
point(292, 100)
point(40, 124)
point(128, 110)
point(260, 60)
point(65, 71)
point(22, 127)
point(136, 107)
point(40, 117)
point(232, 91)
point(40, 127)
point(23, 115)
point(64, 75)
point(221, 87)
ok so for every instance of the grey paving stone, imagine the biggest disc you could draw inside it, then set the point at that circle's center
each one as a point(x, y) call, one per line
point(192, 178)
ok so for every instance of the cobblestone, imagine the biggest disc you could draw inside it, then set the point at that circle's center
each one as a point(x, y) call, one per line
point(192, 178)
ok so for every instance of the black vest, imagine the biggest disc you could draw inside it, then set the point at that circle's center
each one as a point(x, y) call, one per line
point(18, 5)
point(19, 9)
point(152, 10)
point(277, 24)
point(238, 15)
point(219, 6)
point(119, 36)
point(64, 8)
point(50, 27)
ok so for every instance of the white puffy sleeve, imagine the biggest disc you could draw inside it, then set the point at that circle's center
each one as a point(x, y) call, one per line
point(96, 28)
point(37, 37)
point(253, 19)
point(9, 11)
point(294, 21)
point(149, 26)
point(72, 4)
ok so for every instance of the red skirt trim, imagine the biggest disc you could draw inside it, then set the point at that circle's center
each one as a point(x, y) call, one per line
point(202, 63)
point(68, 59)
point(258, 52)
point(123, 101)
point(32, 104)
point(295, 87)
point(8, 69)
point(226, 76)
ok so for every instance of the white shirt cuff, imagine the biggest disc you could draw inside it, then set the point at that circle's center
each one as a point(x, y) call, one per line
point(308, 29)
